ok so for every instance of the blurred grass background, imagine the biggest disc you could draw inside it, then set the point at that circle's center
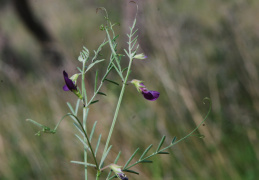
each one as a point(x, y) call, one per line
point(195, 49)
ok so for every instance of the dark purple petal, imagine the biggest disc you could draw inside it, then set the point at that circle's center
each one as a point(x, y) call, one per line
point(150, 95)
point(69, 83)
point(65, 88)
point(122, 176)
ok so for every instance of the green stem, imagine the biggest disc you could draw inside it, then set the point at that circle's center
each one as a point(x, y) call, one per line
point(188, 135)
point(83, 85)
point(114, 119)
point(195, 129)
point(98, 89)
point(88, 141)
point(117, 108)
point(98, 174)
point(84, 131)
point(122, 89)
point(85, 113)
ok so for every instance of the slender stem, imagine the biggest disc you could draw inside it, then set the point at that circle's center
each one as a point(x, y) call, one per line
point(84, 131)
point(98, 174)
point(114, 119)
point(83, 85)
point(117, 107)
point(122, 89)
point(88, 141)
point(97, 90)
point(85, 113)
point(172, 144)
point(195, 129)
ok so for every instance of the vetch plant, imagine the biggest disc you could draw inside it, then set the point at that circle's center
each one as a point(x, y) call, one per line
point(84, 100)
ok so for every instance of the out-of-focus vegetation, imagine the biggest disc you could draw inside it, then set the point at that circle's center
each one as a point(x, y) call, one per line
point(196, 49)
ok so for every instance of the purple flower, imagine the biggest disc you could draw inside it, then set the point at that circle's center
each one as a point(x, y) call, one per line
point(122, 176)
point(117, 170)
point(70, 85)
point(149, 95)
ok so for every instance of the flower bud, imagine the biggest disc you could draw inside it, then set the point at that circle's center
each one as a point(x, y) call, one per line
point(140, 56)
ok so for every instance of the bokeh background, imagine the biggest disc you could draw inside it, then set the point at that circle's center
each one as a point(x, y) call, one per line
point(195, 49)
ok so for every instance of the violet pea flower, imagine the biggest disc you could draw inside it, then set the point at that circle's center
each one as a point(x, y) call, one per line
point(148, 95)
point(70, 85)
point(117, 170)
